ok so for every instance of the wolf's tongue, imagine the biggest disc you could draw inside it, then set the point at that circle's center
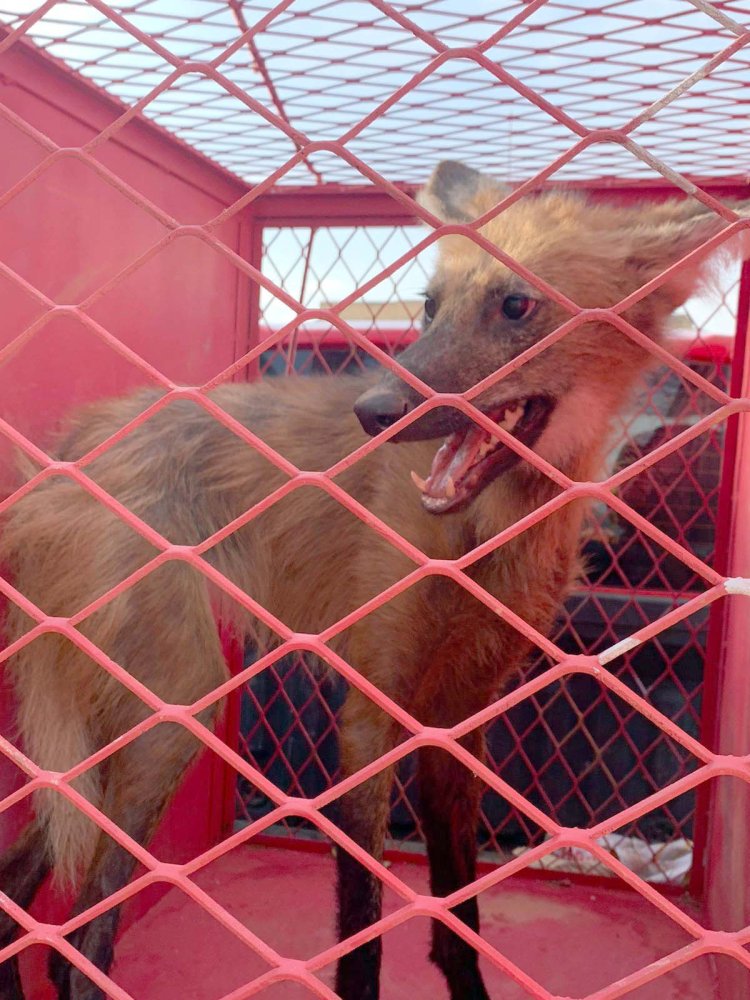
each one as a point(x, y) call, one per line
point(452, 461)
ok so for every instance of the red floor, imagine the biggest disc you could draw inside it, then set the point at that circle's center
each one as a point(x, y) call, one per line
point(573, 939)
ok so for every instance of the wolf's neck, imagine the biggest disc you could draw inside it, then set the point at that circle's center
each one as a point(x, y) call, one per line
point(525, 490)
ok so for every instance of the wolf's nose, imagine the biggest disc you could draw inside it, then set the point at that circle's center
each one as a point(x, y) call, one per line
point(377, 409)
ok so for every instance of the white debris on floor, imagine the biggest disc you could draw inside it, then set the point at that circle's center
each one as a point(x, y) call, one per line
point(668, 863)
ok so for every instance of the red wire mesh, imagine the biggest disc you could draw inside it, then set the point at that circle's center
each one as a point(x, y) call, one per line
point(623, 91)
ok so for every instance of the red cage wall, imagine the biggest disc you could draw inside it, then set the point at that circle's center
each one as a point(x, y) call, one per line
point(96, 315)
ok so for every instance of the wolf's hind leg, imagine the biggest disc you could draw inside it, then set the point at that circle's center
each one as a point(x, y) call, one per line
point(142, 778)
point(23, 868)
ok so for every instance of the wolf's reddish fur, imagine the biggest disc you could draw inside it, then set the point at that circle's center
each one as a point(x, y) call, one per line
point(435, 649)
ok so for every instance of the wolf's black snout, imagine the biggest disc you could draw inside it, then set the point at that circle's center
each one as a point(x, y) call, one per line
point(378, 408)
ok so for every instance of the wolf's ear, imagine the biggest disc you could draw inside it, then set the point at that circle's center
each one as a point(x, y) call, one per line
point(675, 230)
point(457, 193)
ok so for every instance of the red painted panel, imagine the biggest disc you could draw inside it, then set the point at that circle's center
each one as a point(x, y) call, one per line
point(183, 310)
point(70, 230)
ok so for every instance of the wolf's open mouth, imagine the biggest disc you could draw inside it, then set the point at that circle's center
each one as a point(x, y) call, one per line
point(469, 459)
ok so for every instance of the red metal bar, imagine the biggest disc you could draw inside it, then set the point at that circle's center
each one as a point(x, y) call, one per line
point(333, 204)
point(714, 348)
point(226, 784)
point(254, 251)
point(722, 559)
point(726, 878)
point(245, 314)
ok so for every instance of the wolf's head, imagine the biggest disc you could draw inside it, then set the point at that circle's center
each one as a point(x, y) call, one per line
point(479, 315)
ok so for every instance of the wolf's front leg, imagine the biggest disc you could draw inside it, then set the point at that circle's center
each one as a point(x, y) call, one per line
point(366, 733)
point(449, 797)
point(450, 794)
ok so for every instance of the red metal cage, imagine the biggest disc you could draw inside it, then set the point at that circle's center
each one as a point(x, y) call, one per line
point(214, 191)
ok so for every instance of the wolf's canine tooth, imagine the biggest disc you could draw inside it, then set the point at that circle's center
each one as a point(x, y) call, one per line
point(420, 483)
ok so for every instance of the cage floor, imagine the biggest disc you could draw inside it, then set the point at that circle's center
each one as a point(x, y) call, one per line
point(573, 939)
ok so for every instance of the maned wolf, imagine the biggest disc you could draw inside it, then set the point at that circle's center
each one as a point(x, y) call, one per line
point(434, 649)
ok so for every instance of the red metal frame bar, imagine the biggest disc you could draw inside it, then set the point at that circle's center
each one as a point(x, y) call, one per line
point(254, 331)
point(233, 654)
point(715, 348)
point(718, 617)
point(355, 205)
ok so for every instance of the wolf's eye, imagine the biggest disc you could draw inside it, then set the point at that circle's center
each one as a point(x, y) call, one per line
point(430, 308)
point(517, 307)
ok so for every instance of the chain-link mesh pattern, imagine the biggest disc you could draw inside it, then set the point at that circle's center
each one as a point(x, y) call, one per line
point(621, 93)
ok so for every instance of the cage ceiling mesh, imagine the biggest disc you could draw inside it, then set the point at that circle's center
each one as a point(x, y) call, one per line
point(402, 85)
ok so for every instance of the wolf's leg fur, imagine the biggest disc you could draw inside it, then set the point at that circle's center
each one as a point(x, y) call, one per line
point(449, 797)
point(140, 784)
point(366, 733)
point(23, 868)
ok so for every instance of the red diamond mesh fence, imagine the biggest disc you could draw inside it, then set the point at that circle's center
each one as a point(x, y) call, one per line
point(318, 118)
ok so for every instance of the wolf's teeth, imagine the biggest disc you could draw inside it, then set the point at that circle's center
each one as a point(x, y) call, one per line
point(511, 418)
point(420, 483)
point(450, 488)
